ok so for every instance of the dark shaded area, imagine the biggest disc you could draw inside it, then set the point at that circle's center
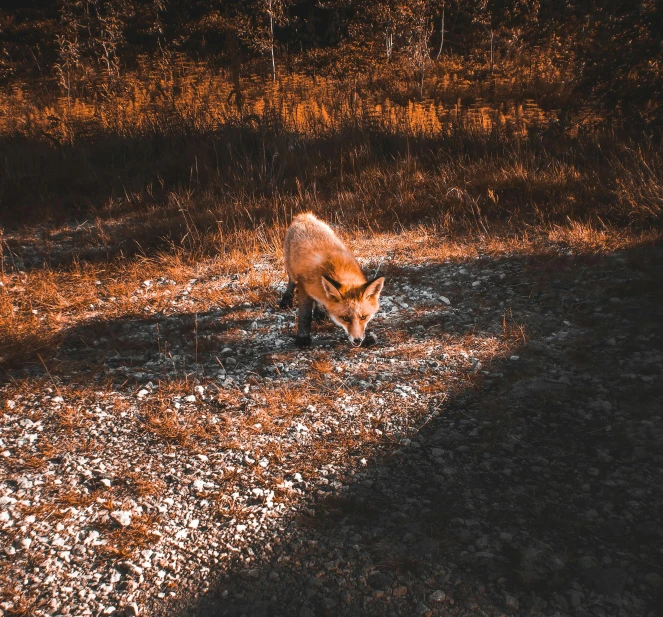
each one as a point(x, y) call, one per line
point(145, 192)
point(514, 499)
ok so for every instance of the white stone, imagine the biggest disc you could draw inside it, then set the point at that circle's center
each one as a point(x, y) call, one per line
point(122, 517)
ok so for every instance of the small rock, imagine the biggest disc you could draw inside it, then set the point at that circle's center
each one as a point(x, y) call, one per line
point(133, 568)
point(511, 602)
point(654, 580)
point(399, 592)
point(575, 600)
point(122, 517)
point(131, 610)
point(585, 562)
point(197, 486)
point(607, 581)
point(379, 581)
point(437, 596)
point(24, 483)
point(191, 398)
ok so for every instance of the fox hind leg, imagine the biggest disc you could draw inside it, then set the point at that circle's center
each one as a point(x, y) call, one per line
point(286, 300)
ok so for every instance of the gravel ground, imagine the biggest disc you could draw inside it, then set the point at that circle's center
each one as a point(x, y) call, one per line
point(498, 451)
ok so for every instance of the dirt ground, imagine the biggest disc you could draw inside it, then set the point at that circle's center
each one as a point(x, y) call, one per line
point(498, 451)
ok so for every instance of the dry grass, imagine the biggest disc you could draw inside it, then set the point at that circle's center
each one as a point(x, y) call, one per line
point(163, 190)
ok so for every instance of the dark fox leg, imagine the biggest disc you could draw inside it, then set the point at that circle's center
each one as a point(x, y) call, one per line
point(304, 316)
point(286, 300)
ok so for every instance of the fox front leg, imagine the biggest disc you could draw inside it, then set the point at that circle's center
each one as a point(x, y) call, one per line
point(286, 300)
point(304, 318)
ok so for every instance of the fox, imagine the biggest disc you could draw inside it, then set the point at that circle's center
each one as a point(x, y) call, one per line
point(327, 274)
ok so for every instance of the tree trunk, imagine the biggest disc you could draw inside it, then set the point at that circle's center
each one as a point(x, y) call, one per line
point(439, 51)
point(271, 38)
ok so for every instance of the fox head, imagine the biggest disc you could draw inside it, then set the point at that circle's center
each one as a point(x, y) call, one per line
point(352, 307)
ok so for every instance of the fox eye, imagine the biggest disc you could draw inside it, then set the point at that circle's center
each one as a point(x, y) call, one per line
point(346, 319)
point(363, 317)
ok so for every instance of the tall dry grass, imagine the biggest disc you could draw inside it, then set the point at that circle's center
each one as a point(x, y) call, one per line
point(177, 171)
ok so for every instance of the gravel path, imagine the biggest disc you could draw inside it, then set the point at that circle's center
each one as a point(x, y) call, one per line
point(497, 452)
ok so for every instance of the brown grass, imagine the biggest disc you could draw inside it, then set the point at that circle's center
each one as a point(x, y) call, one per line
point(123, 542)
point(128, 196)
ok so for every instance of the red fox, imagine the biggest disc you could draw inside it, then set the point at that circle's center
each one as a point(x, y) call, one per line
point(327, 273)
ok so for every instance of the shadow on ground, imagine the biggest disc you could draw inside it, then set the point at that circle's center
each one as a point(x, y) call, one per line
point(537, 491)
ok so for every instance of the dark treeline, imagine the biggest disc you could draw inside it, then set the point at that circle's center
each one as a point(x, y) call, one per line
point(609, 51)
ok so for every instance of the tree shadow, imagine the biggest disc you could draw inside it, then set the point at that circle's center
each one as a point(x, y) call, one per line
point(109, 194)
point(534, 491)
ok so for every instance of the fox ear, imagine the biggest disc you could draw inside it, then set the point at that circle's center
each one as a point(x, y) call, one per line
point(331, 288)
point(373, 288)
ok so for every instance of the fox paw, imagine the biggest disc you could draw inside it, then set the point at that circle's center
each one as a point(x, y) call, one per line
point(286, 302)
point(302, 341)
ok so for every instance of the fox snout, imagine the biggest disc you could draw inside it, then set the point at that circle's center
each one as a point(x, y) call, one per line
point(356, 342)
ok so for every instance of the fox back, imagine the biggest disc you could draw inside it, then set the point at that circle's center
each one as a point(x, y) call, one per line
point(324, 269)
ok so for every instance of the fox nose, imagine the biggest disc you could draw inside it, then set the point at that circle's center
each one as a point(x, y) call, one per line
point(357, 341)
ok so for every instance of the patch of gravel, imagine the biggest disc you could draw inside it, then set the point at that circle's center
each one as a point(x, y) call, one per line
point(198, 463)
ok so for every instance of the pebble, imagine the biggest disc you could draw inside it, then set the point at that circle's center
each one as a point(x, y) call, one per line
point(437, 596)
point(131, 610)
point(654, 580)
point(122, 517)
point(585, 562)
point(511, 602)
